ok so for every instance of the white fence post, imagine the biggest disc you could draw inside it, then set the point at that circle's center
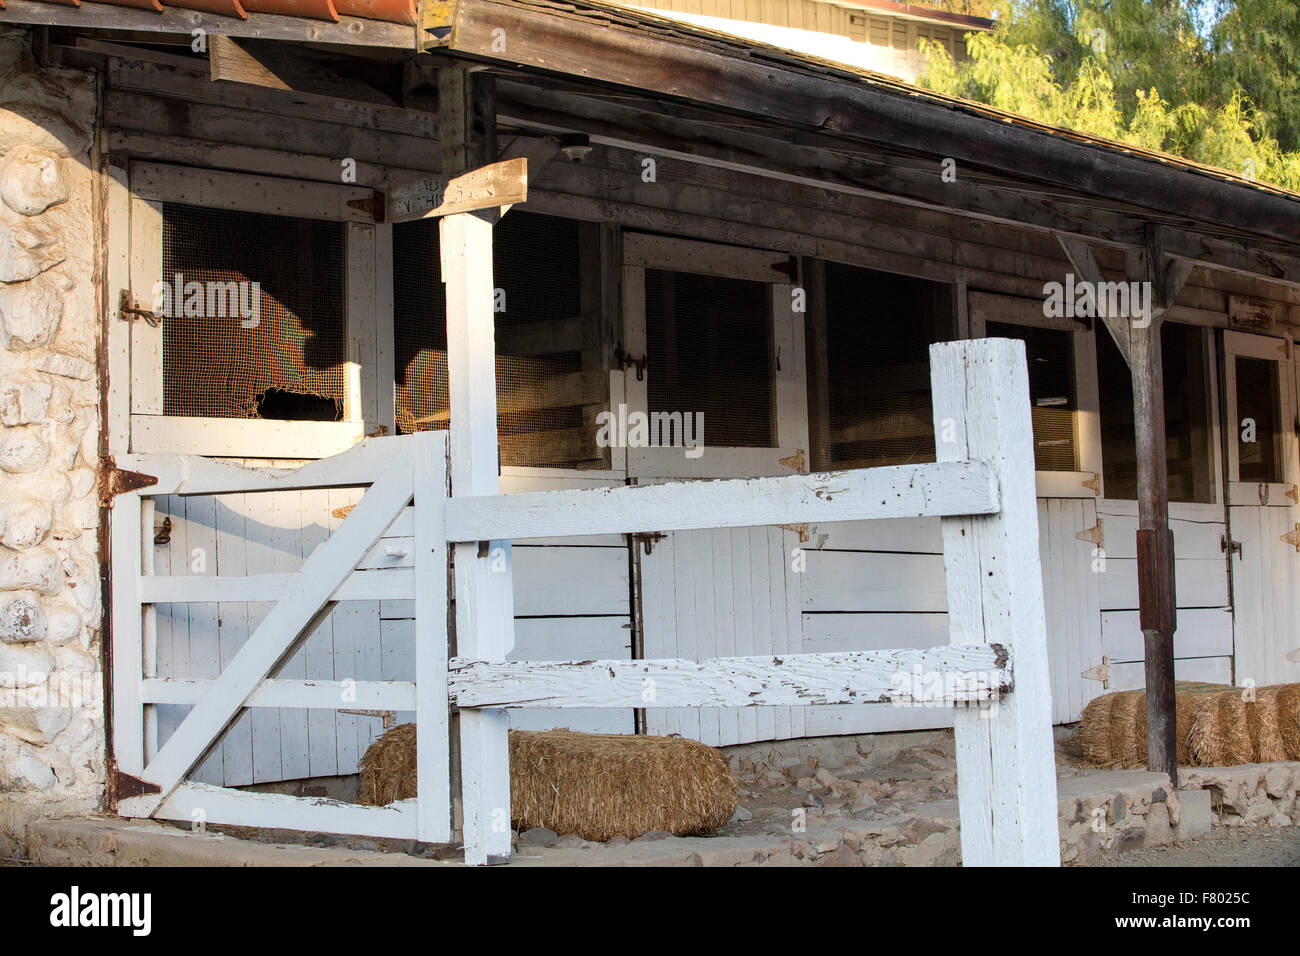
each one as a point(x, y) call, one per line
point(433, 741)
point(1006, 769)
point(484, 589)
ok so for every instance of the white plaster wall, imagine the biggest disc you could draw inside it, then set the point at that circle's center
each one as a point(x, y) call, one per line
point(51, 709)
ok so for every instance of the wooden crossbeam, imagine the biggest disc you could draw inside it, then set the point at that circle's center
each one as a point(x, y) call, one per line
point(899, 491)
point(310, 694)
point(934, 675)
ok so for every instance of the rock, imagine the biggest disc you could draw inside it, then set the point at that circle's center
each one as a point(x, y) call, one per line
point(805, 783)
point(1278, 781)
point(1259, 811)
point(1089, 853)
point(841, 856)
point(741, 816)
point(22, 450)
point(24, 520)
point(653, 835)
point(538, 836)
point(22, 619)
point(68, 366)
point(1158, 831)
point(1130, 838)
point(825, 778)
point(35, 725)
point(919, 829)
point(774, 778)
point(24, 665)
point(812, 800)
point(32, 570)
point(571, 841)
point(24, 402)
point(863, 801)
point(617, 840)
point(25, 255)
point(31, 181)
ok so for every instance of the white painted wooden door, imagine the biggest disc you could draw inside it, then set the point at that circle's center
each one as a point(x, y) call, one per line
point(726, 592)
point(1260, 393)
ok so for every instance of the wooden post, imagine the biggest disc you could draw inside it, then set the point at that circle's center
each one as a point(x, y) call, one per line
point(1006, 767)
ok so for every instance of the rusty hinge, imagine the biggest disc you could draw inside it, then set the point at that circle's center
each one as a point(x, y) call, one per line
point(795, 461)
point(114, 481)
point(1101, 672)
point(799, 529)
point(123, 786)
point(125, 310)
point(389, 717)
point(1093, 484)
point(374, 206)
point(1096, 534)
point(626, 361)
point(787, 267)
point(1292, 537)
point(1229, 547)
point(1294, 494)
point(649, 539)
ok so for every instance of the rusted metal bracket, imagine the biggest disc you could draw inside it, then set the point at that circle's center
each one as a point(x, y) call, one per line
point(799, 529)
point(114, 481)
point(123, 786)
point(1096, 534)
point(1101, 672)
point(1229, 547)
point(1093, 484)
point(1294, 493)
point(374, 206)
point(649, 539)
point(125, 310)
point(1292, 537)
point(795, 461)
point(390, 717)
point(626, 361)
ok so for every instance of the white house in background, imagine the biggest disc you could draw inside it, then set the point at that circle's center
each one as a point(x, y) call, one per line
point(873, 34)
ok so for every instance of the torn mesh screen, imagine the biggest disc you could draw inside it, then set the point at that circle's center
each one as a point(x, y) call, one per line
point(542, 387)
point(709, 344)
point(1050, 356)
point(879, 328)
point(1188, 450)
point(1260, 460)
point(215, 366)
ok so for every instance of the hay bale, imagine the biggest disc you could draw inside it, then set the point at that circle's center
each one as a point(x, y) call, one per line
point(605, 785)
point(1113, 729)
point(1094, 730)
point(388, 767)
point(1288, 719)
point(594, 785)
point(1219, 736)
point(1263, 726)
point(1128, 747)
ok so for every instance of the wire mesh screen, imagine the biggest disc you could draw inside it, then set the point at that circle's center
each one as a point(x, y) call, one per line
point(255, 325)
point(544, 390)
point(709, 345)
point(1050, 355)
point(1188, 448)
point(1259, 457)
point(879, 328)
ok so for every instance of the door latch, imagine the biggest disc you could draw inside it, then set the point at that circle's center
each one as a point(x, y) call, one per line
point(649, 539)
point(1229, 547)
point(626, 361)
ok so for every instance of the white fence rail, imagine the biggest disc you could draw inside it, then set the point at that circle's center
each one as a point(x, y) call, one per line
point(995, 665)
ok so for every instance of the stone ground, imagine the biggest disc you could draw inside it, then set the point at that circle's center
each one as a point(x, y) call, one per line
point(1263, 847)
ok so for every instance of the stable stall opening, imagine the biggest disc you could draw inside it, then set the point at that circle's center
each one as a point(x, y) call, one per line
point(550, 379)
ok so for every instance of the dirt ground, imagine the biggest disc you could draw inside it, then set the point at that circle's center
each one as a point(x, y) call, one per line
point(1256, 847)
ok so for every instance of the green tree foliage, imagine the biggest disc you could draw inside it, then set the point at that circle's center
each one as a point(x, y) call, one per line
point(1166, 75)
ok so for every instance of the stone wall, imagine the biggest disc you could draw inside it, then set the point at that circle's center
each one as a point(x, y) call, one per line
point(51, 688)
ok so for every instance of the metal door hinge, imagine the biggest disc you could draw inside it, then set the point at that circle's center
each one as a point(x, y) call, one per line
point(374, 206)
point(1229, 547)
point(800, 529)
point(390, 717)
point(1093, 484)
point(1096, 534)
point(794, 462)
point(1292, 537)
point(1294, 494)
point(114, 481)
point(1101, 672)
point(123, 786)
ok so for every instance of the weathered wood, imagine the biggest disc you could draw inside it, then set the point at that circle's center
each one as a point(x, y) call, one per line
point(488, 187)
point(1005, 752)
point(279, 66)
point(394, 584)
point(280, 631)
point(933, 675)
point(311, 694)
point(201, 802)
point(126, 622)
point(947, 488)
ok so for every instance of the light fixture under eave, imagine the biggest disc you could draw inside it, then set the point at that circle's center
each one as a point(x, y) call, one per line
point(576, 146)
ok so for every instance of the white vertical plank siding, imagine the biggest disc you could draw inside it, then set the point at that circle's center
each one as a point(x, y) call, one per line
point(318, 651)
point(1005, 761)
point(233, 622)
point(128, 712)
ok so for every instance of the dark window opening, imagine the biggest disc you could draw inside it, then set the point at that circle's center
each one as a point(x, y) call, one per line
point(878, 332)
point(709, 345)
point(1049, 354)
point(549, 381)
point(1259, 416)
point(252, 302)
point(1188, 450)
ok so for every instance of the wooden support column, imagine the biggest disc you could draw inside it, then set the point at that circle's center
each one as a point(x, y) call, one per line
point(484, 590)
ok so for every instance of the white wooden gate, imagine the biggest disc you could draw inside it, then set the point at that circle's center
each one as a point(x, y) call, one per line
point(982, 487)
